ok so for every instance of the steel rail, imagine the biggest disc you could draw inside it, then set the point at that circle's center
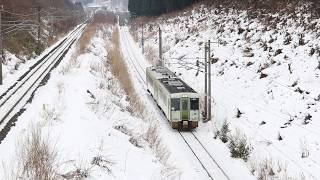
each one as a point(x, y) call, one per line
point(36, 84)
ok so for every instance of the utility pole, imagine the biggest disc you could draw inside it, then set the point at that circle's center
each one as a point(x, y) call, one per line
point(1, 47)
point(142, 39)
point(209, 79)
point(39, 26)
point(205, 117)
point(160, 46)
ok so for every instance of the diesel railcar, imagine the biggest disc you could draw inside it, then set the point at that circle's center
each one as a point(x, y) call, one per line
point(178, 101)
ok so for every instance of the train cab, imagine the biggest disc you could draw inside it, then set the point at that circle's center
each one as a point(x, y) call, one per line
point(178, 101)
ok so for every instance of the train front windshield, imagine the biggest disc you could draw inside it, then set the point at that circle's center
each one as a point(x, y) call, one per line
point(175, 104)
point(194, 104)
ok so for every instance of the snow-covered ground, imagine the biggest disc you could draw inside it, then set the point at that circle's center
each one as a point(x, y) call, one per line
point(268, 70)
point(265, 85)
point(83, 112)
point(181, 155)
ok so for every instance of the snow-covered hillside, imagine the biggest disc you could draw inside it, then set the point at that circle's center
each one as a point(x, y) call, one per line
point(266, 82)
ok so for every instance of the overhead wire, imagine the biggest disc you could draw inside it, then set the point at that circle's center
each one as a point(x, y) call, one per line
point(22, 15)
point(273, 113)
point(187, 66)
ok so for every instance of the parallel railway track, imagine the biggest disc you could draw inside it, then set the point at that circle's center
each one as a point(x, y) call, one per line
point(12, 101)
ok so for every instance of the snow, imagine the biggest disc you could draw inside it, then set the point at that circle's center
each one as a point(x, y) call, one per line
point(181, 154)
point(82, 110)
point(271, 106)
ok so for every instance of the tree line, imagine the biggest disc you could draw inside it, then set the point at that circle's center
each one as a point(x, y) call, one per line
point(157, 7)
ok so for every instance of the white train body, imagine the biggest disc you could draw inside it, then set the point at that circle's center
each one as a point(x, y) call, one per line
point(178, 101)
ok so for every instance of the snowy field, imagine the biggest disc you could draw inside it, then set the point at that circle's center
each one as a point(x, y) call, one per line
point(82, 113)
point(265, 83)
point(265, 87)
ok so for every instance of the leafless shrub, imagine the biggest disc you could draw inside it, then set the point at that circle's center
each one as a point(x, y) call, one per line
point(247, 52)
point(239, 113)
point(263, 67)
point(73, 62)
point(318, 67)
point(278, 51)
point(264, 45)
point(102, 162)
point(78, 174)
point(86, 37)
point(37, 158)
point(307, 119)
point(266, 170)
point(280, 138)
point(135, 141)
point(152, 137)
point(155, 142)
point(287, 39)
point(50, 113)
point(98, 19)
point(151, 55)
point(301, 40)
point(304, 149)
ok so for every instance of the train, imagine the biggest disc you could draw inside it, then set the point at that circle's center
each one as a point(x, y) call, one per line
point(178, 101)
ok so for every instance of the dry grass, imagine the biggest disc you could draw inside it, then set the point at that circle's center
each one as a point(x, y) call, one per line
point(100, 19)
point(36, 158)
point(151, 55)
point(152, 136)
point(119, 69)
point(86, 38)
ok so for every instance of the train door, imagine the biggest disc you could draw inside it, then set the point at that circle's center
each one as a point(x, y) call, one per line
point(194, 109)
point(185, 113)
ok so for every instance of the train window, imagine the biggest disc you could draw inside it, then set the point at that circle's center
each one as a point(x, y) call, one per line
point(194, 104)
point(175, 104)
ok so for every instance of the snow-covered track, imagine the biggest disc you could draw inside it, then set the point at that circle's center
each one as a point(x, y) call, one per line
point(12, 102)
point(205, 159)
point(32, 69)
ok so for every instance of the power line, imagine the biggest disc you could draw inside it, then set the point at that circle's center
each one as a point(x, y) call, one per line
point(24, 15)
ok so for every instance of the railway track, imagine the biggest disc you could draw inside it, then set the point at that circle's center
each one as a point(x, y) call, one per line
point(206, 160)
point(13, 101)
point(208, 163)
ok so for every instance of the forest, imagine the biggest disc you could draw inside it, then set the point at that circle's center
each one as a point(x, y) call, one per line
point(156, 7)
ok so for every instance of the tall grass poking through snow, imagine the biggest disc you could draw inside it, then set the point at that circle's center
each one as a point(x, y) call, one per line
point(152, 135)
point(119, 69)
point(37, 159)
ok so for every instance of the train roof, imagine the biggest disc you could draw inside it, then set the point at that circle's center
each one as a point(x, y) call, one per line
point(176, 85)
point(160, 72)
point(170, 80)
